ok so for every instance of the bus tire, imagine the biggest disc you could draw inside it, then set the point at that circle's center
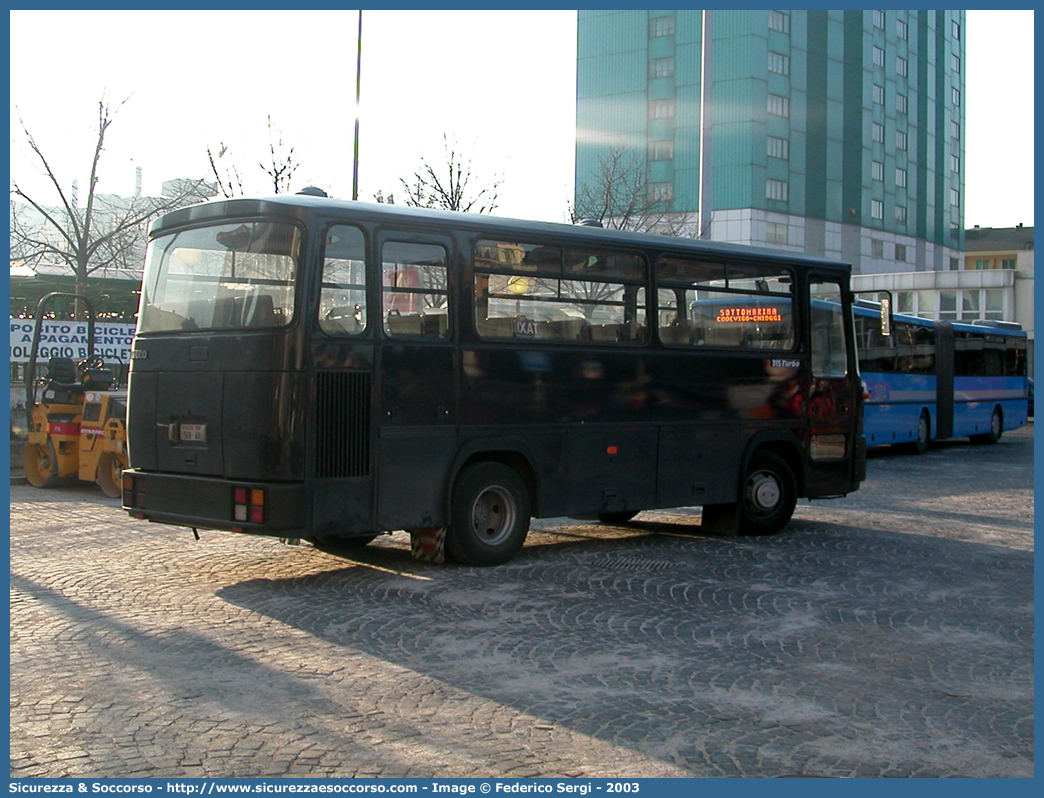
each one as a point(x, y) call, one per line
point(489, 515)
point(924, 434)
point(768, 497)
point(996, 429)
point(621, 517)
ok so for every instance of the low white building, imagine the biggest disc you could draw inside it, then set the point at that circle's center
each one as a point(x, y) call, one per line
point(996, 283)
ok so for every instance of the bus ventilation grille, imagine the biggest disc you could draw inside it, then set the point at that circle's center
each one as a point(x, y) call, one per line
point(343, 424)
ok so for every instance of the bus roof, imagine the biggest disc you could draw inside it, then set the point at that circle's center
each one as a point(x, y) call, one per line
point(300, 205)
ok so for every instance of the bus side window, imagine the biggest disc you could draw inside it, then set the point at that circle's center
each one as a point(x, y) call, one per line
point(342, 299)
point(829, 358)
point(415, 290)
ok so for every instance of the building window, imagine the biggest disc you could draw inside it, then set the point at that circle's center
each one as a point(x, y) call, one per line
point(878, 19)
point(948, 306)
point(926, 304)
point(900, 103)
point(955, 264)
point(877, 131)
point(904, 302)
point(982, 264)
point(878, 93)
point(955, 129)
point(877, 170)
point(778, 63)
point(661, 26)
point(661, 150)
point(900, 66)
point(900, 140)
point(900, 28)
point(969, 305)
point(955, 231)
point(994, 303)
point(778, 148)
point(955, 197)
point(955, 30)
point(955, 95)
point(876, 248)
point(955, 163)
point(900, 178)
point(900, 218)
point(900, 253)
point(878, 56)
point(1007, 263)
point(955, 62)
point(661, 192)
point(778, 20)
point(775, 233)
point(661, 109)
point(661, 68)
point(876, 209)
point(776, 190)
point(778, 106)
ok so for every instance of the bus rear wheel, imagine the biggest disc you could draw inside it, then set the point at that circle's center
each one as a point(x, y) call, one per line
point(768, 497)
point(996, 429)
point(489, 515)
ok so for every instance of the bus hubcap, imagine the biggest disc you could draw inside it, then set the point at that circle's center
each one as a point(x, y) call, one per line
point(493, 516)
point(763, 492)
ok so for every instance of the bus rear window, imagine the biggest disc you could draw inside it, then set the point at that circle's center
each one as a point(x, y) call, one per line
point(223, 277)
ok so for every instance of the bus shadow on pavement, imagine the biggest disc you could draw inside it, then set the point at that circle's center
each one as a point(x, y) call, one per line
point(673, 643)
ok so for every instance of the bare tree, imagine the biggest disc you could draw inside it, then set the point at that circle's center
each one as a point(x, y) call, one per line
point(280, 167)
point(226, 176)
point(105, 232)
point(621, 197)
point(447, 187)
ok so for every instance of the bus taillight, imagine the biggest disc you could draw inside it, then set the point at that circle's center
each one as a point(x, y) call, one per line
point(248, 505)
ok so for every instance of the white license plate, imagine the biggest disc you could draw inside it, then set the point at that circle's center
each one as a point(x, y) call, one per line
point(192, 433)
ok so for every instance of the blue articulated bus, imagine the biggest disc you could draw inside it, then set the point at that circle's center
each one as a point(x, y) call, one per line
point(934, 380)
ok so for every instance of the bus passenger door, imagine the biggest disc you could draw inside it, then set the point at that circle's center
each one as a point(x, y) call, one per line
point(417, 390)
point(833, 401)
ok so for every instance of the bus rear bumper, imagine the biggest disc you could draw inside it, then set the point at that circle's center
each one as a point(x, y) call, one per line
point(276, 509)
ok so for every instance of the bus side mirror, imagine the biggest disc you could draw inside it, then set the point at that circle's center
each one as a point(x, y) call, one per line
point(886, 316)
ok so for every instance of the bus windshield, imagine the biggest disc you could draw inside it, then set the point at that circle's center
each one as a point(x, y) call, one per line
point(228, 276)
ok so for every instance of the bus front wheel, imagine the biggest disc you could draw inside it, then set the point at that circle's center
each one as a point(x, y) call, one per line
point(924, 426)
point(489, 515)
point(768, 497)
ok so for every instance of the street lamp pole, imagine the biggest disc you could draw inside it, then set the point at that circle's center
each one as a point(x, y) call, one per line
point(358, 87)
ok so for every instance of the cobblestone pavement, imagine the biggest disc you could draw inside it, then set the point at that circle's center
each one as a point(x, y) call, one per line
point(886, 634)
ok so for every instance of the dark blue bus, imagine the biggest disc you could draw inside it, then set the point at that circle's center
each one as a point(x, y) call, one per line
point(933, 380)
point(329, 370)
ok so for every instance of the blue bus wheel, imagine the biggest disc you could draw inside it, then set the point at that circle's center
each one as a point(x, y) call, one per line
point(996, 429)
point(924, 427)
